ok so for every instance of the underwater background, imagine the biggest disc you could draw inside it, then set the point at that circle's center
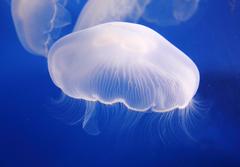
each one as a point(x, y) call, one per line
point(32, 135)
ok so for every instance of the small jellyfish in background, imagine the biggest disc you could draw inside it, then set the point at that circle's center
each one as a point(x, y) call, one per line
point(110, 10)
point(160, 12)
point(170, 12)
point(126, 63)
point(39, 22)
point(234, 5)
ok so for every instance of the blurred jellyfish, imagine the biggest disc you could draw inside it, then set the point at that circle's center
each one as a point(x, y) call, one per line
point(110, 10)
point(234, 5)
point(170, 12)
point(39, 22)
point(124, 63)
point(160, 12)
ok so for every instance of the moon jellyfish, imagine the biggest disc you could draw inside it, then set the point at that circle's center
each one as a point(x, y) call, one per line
point(110, 10)
point(39, 22)
point(123, 63)
point(171, 12)
point(161, 12)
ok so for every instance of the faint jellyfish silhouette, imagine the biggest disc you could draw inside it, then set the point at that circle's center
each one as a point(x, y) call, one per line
point(39, 22)
point(170, 12)
point(234, 5)
point(160, 12)
point(124, 63)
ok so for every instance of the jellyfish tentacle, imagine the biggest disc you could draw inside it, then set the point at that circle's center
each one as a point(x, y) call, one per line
point(61, 17)
point(90, 124)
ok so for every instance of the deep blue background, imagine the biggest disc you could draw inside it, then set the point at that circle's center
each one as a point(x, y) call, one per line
point(30, 136)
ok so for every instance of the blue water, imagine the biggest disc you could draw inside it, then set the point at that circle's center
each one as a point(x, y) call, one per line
point(31, 136)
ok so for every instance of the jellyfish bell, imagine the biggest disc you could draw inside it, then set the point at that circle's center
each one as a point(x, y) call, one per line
point(124, 63)
point(39, 22)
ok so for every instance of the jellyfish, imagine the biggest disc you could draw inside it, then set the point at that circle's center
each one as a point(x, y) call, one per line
point(120, 62)
point(160, 12)
point(170, 12)
point(110, 10)
point(39, 22)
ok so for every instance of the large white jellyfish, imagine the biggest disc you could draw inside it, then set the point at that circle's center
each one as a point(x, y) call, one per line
point(160, 12)
point(125, 63)
point(39, 22)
